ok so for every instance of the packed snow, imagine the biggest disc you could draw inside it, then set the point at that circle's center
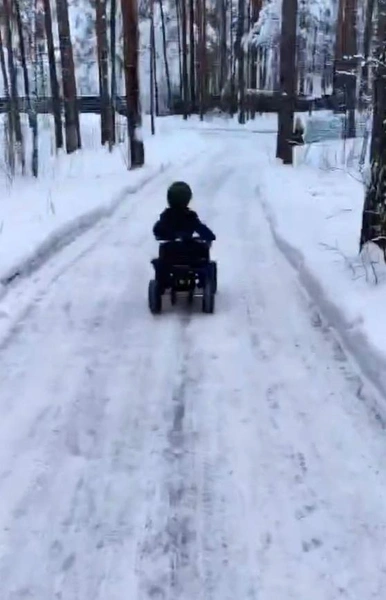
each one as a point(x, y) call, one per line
point(232, 456)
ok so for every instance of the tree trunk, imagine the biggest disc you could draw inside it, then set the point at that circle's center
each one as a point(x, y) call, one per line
point(4, 71)
point(204, 61)
point(233, 99)
point(14, 96)
point(54, 84)
point(200, 58)
point(374, 210)
point(302, 48)
point(247, 69)
point(192, 57)
point(22, 53)
point(178, 11)
point(256, 8)
point(253, 68)
point(156, 94)
point(10, 124)
point(350, 51)
point(113, 59)
point(337, 86)
point(32, 16)
point(130, 44)
point(313, 62)
point(346, 62)
point(263, 68)
point(71, 114)
point(34, 122)
point(103, 71)
point(223, 45)
point(240, 60)
point(284, 148)
point(185, 86)
point(152, 62)
point(326, 69)
point(379, 97)
point(167, 73)
point(364, 86)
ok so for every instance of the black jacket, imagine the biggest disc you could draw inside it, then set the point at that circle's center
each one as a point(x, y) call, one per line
point(174, 223)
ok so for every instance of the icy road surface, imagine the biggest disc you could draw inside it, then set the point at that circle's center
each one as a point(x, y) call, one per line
point(225, 457)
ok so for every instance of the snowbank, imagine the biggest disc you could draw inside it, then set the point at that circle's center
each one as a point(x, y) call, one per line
point(262, 123)
point(37, 217)
point(350, 156)
point(217, 122)
point(315, 215)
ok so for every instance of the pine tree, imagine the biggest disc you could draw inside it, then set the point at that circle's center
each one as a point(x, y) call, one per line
point(130, 43)
point(164, 46)
point(240, 59)
point(113, 59)
point(55, 93)
point(184, 50)
point(284, 149)
point(374, 210)
point(152, 65)
point(71, 113)
point(192, 56)
point(14, 94)
point(346, 62)
point(103, 70)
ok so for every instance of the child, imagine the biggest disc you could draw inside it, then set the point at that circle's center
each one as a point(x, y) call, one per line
point(178, 221)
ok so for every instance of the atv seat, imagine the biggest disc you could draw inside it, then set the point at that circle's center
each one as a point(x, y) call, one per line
point(189, 253)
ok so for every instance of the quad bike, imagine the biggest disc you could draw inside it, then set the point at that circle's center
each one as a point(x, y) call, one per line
point(183, 266)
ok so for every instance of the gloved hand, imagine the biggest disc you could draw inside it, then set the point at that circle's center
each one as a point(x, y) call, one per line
point(183, 236)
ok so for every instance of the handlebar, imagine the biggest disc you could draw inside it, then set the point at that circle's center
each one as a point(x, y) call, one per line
point(185, 239)
point(188, 238)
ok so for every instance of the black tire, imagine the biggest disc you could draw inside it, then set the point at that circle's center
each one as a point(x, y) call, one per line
point(173, 297)
point(154, 297)
point(190, 298)
point(208, 297)
point(213, 272)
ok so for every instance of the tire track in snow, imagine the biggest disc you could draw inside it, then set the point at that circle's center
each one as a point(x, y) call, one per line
point(166, 555)
point(173, 539)
point(181, 491)
point(219, 549)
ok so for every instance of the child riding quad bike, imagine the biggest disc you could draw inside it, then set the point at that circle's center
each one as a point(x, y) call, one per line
point(183, 263)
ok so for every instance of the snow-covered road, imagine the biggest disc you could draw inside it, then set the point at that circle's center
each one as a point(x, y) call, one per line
point(187, 456)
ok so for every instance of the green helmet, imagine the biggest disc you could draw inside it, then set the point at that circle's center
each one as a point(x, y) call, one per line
point(179, 195)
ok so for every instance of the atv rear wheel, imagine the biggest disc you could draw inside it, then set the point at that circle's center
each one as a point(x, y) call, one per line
point(213, 275)
point(154, 297)
point(208, 297)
